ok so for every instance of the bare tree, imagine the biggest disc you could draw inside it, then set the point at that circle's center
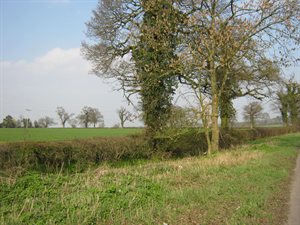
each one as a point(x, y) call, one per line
point(84, 116)
point(265, 118)
point(96, 117)
point(200, 108)
point(252, 111)
point(63, 115)
point(225, 34)
point(23, 122)
point(45, 122)
point(73, 122)
point(124, 115)
point(90, 115)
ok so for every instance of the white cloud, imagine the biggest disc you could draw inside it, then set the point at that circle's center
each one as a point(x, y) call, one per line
point(58, 78)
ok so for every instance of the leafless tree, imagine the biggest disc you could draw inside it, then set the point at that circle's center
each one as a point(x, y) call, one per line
point(63, 115)
point(84, 117)
point(45, 122)
point(96, 117)
point(73, 122)
point(252, 112)
point(90, 115)
point(228, 36)
point(124, 115)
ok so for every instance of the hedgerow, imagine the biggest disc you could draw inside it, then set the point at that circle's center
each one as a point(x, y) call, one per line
point(17, 157)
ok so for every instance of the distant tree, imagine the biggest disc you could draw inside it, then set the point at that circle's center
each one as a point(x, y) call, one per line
point(124, 115)
point(96, 117)
point(73, 123)
point(23, 122)
point(116, 125)
point(26, 123)
point(277, 120)
point(45, 122)
point(36, 124)
point(9, 122)
point(252, 111)
point(84, 116)
point(181, 117)
point(265, 118)
point(90, 115)
point(63, 115)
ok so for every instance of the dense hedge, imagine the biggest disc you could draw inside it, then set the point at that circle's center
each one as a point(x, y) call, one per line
point(78, 154)
point(192, 142)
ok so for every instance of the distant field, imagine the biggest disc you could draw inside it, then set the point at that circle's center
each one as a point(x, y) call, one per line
point(55, 134)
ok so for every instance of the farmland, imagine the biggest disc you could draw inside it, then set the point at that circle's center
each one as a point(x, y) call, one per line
point(59, 134)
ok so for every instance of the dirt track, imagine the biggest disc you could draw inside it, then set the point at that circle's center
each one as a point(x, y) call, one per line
point(294, 213)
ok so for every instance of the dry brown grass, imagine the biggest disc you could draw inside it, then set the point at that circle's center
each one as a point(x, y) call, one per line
point(169, 169)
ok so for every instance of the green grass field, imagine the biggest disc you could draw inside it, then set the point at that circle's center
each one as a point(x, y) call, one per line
point(58, 134)
point(247, 185)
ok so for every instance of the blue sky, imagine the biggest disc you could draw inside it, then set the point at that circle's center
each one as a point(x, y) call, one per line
point(33, 27)
point(41, 64)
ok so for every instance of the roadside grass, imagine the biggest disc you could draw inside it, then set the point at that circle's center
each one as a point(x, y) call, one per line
point(60, 134)
point(246, 185)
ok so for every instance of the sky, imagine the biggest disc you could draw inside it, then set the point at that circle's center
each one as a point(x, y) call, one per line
point(41, 66)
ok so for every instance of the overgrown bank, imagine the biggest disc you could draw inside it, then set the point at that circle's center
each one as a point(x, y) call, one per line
point(18, 157)
point(247, 185)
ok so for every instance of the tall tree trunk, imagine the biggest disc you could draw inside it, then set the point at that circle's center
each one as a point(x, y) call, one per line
point(214, 109)
point(214, 89)
point(214, 125)
point(251, 122)
point(205, 120)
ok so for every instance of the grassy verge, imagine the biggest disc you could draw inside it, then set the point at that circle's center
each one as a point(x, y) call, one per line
point(247, 185)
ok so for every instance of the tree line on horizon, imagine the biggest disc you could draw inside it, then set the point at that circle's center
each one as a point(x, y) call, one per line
point(88, 116)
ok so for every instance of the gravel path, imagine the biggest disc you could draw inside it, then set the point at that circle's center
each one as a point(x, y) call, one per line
point(294, 214)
